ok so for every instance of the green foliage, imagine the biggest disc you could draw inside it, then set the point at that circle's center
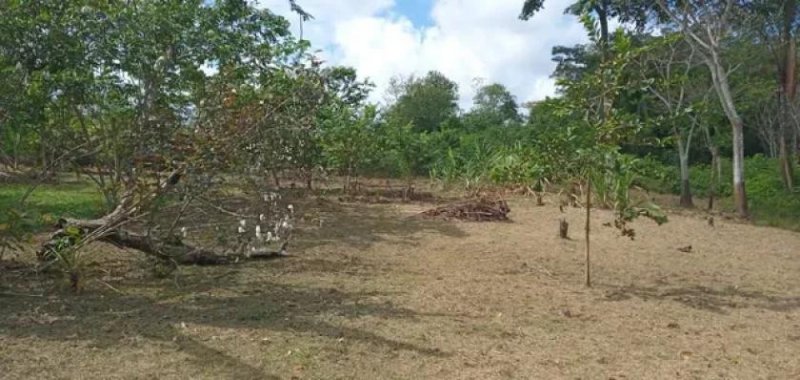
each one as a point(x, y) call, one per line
point(425, 103)
point(612, 181)
point(407, 148)
point(517, 165)
point(493, 106)
point(350, 142)
point(495, 156)
point(772, 204)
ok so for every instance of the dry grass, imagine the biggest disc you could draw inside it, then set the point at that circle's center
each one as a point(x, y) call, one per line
point(378, 292)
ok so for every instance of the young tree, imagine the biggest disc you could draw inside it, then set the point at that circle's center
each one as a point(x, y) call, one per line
point(350, 140)
point(606, 173)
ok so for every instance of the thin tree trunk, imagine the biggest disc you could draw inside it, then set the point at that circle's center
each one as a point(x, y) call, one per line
point(716, 173)
point(795, 142)
point(720, 79)
point(785, 162)
point(276, 178)
point(588, 231)
point(602, 15)
point(788, 87)
point(347, 180)
point(739, 193)
point(686, 190)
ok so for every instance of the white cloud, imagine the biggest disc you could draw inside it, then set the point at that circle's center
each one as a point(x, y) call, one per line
point(467, 39)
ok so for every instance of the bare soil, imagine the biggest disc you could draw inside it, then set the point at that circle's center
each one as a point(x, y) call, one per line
point(374, 291)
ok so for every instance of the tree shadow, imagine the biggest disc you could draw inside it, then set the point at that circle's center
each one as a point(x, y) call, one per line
point(103, 319)
point(201, 354)
point(717, 300)
point(156, 310)
point(360, 226)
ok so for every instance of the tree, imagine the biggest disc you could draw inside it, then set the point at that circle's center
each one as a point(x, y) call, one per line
point(573, 62)
point(125, 85)
point(626, 11)
point(493, 106)
point(601, 125)
point(343, 84)
point(668, 73)
point(425, 102)
point(350, 140)
point(705, 25)
point(408, 149)
point(776, 22)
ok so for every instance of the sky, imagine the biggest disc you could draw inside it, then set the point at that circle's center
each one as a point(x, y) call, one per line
point(470, 41)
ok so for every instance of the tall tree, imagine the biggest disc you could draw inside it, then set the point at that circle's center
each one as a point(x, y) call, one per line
point(425, 102)
point(634, 12)
point(705, 25)
point(668, 73)
point(493, 106)
point(601, 8)
point(574, 62)
point(777, 23)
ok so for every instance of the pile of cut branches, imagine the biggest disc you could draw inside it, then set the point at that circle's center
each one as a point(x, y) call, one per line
point(476, 210)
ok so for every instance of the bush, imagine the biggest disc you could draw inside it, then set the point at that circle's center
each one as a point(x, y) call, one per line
point(655, 176)
point(770, 203)
point(700, 180)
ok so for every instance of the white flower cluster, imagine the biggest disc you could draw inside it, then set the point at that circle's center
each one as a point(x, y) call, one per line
point(280, 230)
point(271, 197)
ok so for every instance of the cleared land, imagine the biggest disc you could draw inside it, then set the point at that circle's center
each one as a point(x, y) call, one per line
point(375, 291)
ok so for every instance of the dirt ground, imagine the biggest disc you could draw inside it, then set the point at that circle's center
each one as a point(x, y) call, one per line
point(376, 292)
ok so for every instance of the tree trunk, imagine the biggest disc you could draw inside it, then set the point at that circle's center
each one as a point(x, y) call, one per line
point(601, 8)
point(563, 228)
point(785, 161)
point(788, 90)
point(739, 193)
point(588, 231)
point(276, 179)
point(716, 173)
point(175, 251)
point(309, 179)
point(109, 228)
point(720, 79)
point(795, 141)
point(686, 190)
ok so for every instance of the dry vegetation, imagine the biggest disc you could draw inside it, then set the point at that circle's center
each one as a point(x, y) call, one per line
point(377, 291)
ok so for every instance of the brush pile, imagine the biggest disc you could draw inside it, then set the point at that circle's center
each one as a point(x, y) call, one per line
point(479, 210)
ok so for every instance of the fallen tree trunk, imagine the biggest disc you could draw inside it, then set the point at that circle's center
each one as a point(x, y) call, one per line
point(174, 250)
point(76, 233)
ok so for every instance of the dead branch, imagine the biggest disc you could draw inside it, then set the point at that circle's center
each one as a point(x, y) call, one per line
point(481, 210)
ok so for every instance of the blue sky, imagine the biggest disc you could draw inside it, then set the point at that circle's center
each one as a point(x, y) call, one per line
point(418, 11)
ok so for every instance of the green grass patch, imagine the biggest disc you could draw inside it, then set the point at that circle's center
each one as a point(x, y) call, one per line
point(76, 200)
